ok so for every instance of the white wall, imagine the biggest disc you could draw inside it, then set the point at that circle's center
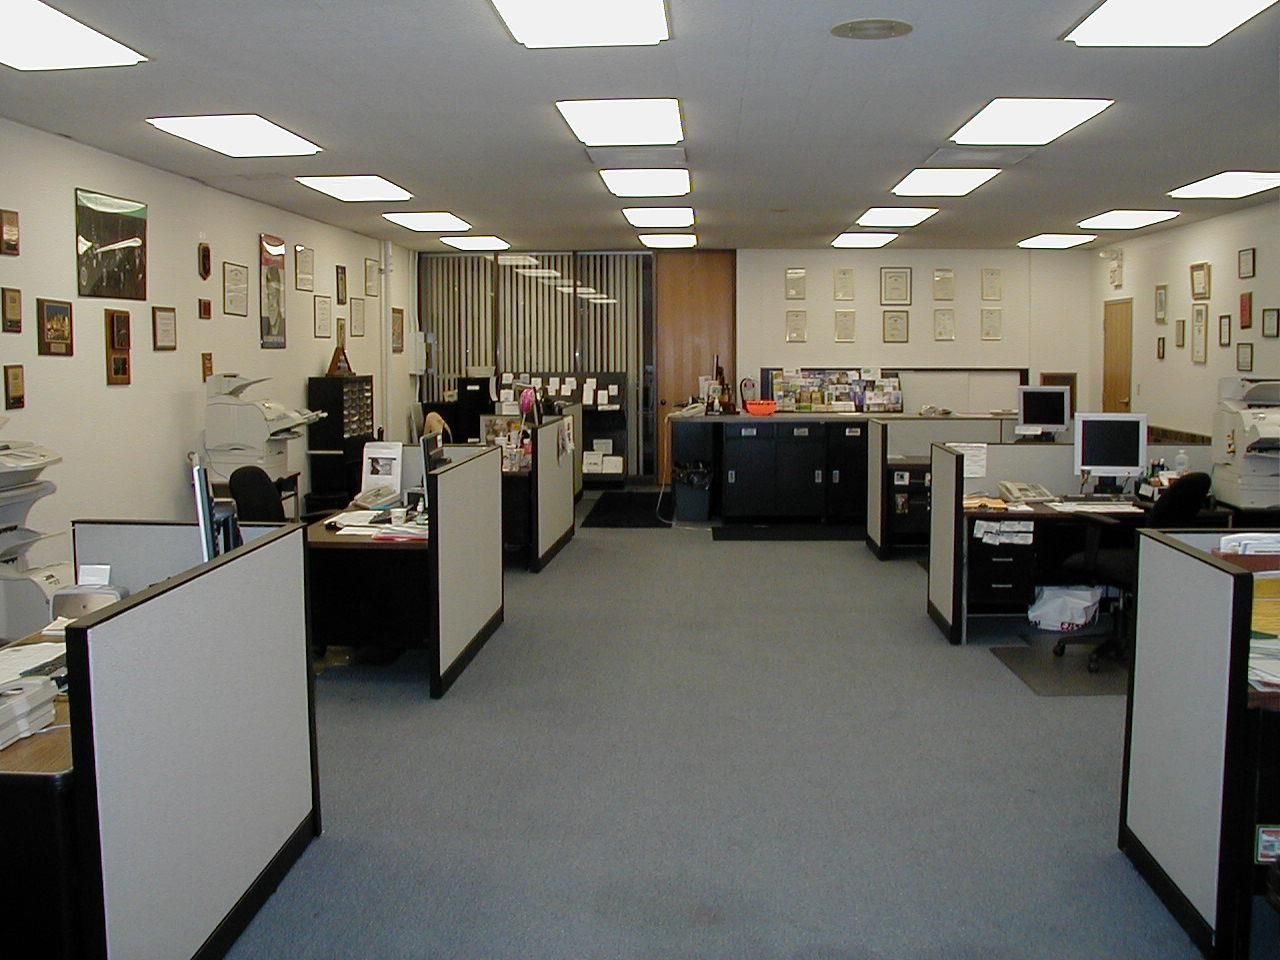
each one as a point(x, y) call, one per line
point(1045, 308)
point(1175, 392)
point(124, 447)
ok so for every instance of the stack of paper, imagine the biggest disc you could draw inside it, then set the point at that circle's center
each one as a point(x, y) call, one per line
point(1264, 665)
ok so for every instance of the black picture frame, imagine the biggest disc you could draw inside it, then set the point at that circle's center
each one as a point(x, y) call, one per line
point(111, 246)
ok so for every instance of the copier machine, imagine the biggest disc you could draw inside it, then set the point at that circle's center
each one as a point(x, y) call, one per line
point(1246, 444)
point(240, 432)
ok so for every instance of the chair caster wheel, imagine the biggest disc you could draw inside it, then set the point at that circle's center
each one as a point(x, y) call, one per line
point(1059, 648)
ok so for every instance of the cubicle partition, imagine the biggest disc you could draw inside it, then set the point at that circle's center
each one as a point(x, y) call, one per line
point(193, 737)
point(1188, 814)
point(553, 475)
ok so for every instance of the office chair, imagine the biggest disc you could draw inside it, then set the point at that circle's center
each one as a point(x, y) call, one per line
point(257, 499)
point(1117, 567)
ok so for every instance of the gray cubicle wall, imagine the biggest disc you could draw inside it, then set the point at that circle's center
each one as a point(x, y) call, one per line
point(553, 496)
point(193, 738)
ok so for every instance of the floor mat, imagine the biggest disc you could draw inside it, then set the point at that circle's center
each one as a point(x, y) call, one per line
point(788, 531)
point(627, 509)
point(1065, 676)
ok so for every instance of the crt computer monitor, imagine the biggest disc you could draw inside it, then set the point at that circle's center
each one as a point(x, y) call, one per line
point(1111, 444)
point(1043, 409)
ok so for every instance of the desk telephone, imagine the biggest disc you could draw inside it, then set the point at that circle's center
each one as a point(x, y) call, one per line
point(1019, 491)
point(375, 498)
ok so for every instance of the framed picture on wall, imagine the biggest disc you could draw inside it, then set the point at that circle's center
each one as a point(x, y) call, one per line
point(164, 328)
point(12, 312)
point(9, 233)
point(944, 324)
point(1200, 333)
point(1271, 322)
point(1180, 334)
point(340, 288)
point(1246, 310)
point(846, 326)
point(54, 333)
point(992, 323)
point(896, 326)
point(304, 268)
point(323, 322)
point(1200, 281)
point(1224, 330)
point(895, 286)
point(111, 246)
point(1159, 348)
point(397, 330)
point(794, 283)
point(357, 317)
point(1245, 263)
point(372, 277)
point(15, 387)
point(796, 326)
point(271, 291)
point(235, 289)
point(1162, 303)
point(992, 284)
point(1244, 357)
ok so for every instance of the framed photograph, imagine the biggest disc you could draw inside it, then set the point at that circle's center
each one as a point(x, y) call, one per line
point(1224, 330)
point(1244, 357)
point(796, 326)
point(1271, 322)
point(235, 289)
point(372, 277)
point(340, 285)
point(895, 286)
point(204, 261)
point(1162, 303)
point(1245, 263)
point(323, 318)
point(111, 246)
point(11, 314)
point(397, 330)
point(118, 329)
point(54, 334)
point(304, 268)
point(992, 323)
point(164, 328)
point(944, 284)
point(357, 317)
point(897, 326)
point(944, 324)
point(9, 233)
point(206, 367)
point(846, 326)
point(204, 309)
point(992, 284)
point(843, 284)
point(271, 292)
point(1180, 334)
point(1159, 348)
point(1199, 333)
point(15, 387)
point(118, 344)
point(1246, 310)
point(1200, 281)
point(794, 285)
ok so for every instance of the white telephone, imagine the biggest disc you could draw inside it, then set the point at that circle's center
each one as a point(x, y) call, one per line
point(1019, 491)
point(375, 498)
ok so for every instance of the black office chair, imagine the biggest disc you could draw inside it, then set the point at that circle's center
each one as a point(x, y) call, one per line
point(1117, 566)
point(256, 496)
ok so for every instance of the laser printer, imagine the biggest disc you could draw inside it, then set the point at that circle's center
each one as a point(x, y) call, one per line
point(239, 431)
point(1246, 443)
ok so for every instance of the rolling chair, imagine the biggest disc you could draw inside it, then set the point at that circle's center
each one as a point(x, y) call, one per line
point(256, 496)
point(1117, 567)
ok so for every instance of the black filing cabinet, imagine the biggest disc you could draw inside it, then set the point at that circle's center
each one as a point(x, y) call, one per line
point(847, 472)
point(800, 469)
point(1001, 575)
point(749, 488)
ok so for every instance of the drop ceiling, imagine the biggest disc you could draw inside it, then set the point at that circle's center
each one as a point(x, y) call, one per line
point(790, 133)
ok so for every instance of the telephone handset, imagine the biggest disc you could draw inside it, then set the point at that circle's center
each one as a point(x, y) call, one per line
point(375, 498)
point(1019, 491)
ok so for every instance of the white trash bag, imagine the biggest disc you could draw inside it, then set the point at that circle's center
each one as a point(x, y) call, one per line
point(1065, 608)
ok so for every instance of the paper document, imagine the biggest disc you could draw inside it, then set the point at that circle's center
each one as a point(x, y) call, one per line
point(18, 658)
point(975, 459)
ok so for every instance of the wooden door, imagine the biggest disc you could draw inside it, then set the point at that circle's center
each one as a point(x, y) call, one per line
point(695, 309)
point(1117, 355)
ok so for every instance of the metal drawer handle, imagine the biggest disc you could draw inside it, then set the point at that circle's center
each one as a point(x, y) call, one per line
point(853, 431)
point(733, 476)
point(800, 432)
point(748, 431)
point(1002, 559)
point(835, 476)
point(817, 476)
point(1002, 586)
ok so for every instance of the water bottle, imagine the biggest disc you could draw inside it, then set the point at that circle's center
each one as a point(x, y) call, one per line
point(1180, 462)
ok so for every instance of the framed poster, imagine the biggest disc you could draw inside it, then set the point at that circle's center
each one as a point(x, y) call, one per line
point(1246, 310)
point(235, 289)
point(944, 284)
point(796, 326)
point(271, 292)
point(1224, 330)
point(118, 346)
point(372, 277)
point(1162, 303)
point(1244, 357)
point(11, 314)
point(843, 284)
point(846, 325)
point(10, 235)
point(794, 283)
point(54, 333)
point(992, 323)
point(340, 285)
point(992, 284)
point(164, 328)
point(397, 330)
point(1271, 322)
point(895, 286)
point(944, 324)
point(1180, 334)
point(357, 317)
point(1200, 281)
point(1245, 263)
point(1199, 333)
point(323, 328)
point(111, 246)
point(896, 326)
point(15, 387)
point(304, 268)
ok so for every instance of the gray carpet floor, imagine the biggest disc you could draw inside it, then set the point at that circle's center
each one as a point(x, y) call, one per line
point(678, 748)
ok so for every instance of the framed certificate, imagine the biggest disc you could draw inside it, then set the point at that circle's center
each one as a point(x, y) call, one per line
point(1199, 333)
point(992, 323)
point(895, 286)
point(992, 284)
point(1162, 303)
point(896, 326)
point(944, 324)
point(1200, 281)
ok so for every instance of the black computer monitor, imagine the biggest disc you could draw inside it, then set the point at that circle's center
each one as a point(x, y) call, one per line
point(1111, 445)
point(432, 451)
point(1043, 410)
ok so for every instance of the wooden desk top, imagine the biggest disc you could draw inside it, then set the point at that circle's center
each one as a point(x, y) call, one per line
point(321, 538)
point(47, 752)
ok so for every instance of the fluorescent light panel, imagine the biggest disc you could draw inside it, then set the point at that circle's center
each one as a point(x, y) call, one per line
point(647, 182)
point(943, 181)
point(518, 260)
point(1163, 23)
point(538, 272)
point(1055, 241)
point(1230, 185)
point(668, 241)
point(863, 241)
point(356, 189)
point(659, 216)
point(618, 123)
point(539, 24)
point(896, 216)
point(1126, 219)
point(476, 243)
point(438, 222)
point(1027, 121)
point(237, 135)
point(37, 37)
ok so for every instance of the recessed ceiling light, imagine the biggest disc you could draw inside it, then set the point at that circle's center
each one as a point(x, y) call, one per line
point(519, 260)
point(580, 290)
point(1230, 185)
point(896, 216)
point(1055, 241)
point(540, 24)
point(237, 135)
point(358, 189)
point(863, 241)
point(538, 272)
point(37, 37)
point(871, 28)
point(1146, 23)
point(614, 123)
point(1126, 219)
point(659, 216)
point(668, 241)
point(1027, 121)
point(646, 183)
point(602, 299)
point(476, 243)
point(943, 181)
point(440, 222)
